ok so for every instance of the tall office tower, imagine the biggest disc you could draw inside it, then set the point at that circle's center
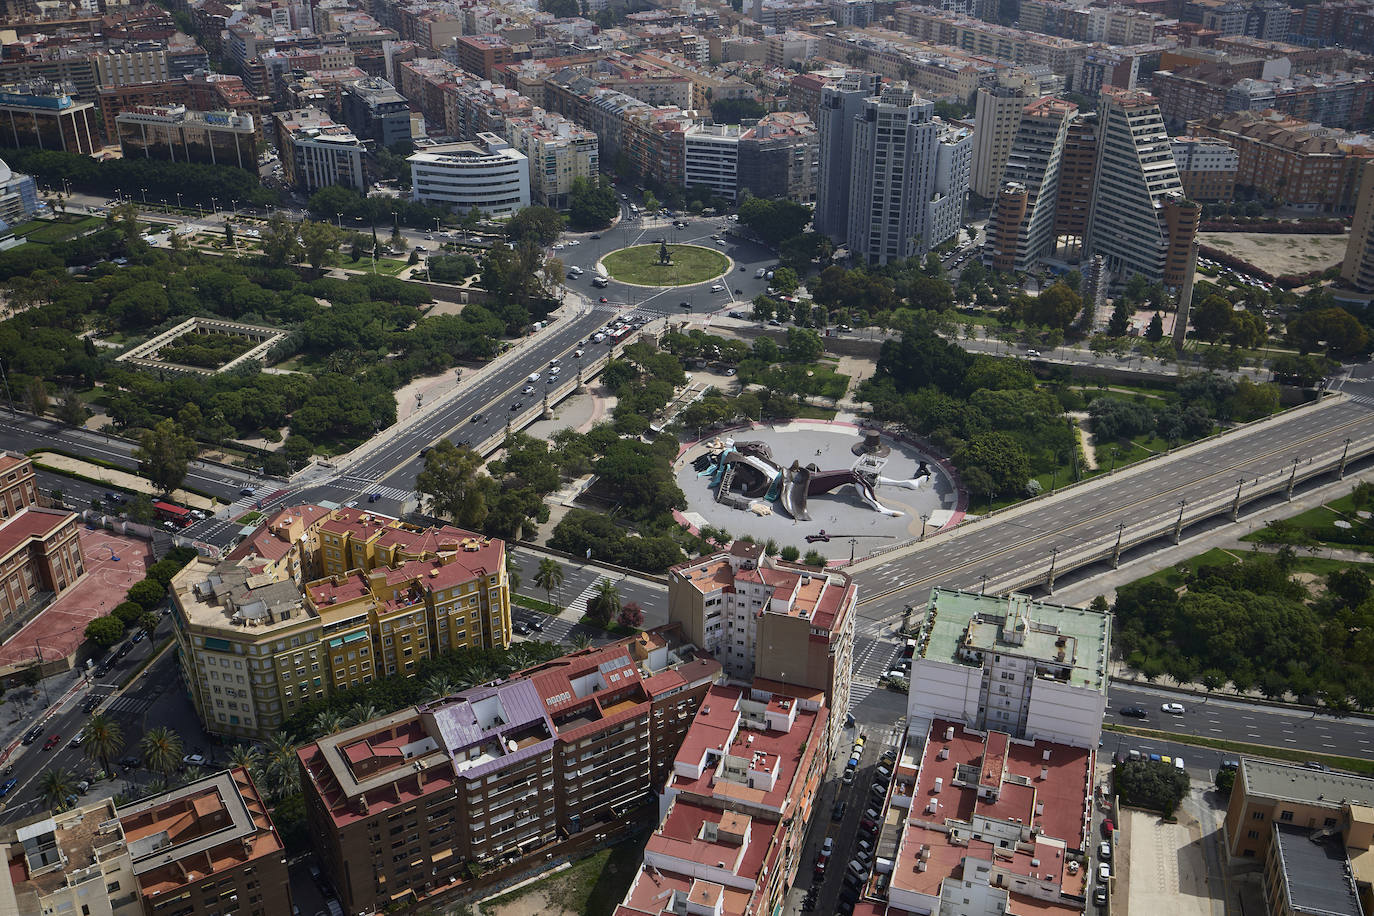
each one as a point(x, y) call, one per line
point(1023, 218)
point(1358, 268)
point(1077, 166)
point(1135, 176)
point(909, 175)
point(840, 105)
point(996, 118)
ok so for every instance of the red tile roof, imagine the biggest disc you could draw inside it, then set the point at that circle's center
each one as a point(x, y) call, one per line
point(28, 524)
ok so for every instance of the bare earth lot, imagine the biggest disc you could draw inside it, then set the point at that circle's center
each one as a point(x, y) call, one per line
point(1279, 253)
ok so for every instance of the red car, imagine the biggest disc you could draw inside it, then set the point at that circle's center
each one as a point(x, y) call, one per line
point(1108, 827)
point(52, 742)
point(604, 299)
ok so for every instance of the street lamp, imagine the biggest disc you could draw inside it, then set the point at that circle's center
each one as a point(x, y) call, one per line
point(144, 193)
point(983, 584)
point(8, 396)
point(924, 519)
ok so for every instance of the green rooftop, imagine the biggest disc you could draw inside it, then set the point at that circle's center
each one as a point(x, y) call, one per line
point(1070, 643)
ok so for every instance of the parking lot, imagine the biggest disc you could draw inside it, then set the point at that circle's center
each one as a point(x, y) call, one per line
point(1165, 867)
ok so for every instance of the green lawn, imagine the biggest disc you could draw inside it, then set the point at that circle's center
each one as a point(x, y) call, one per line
point(691, 264)
point(1171, 577)
point(51, 231)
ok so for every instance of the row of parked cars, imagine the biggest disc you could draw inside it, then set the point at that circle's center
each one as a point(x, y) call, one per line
point(861, 866)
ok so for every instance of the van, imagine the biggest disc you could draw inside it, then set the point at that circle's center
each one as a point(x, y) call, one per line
point(600, 281)
point(1178, 763)
point(760, 273)
point(532, 377)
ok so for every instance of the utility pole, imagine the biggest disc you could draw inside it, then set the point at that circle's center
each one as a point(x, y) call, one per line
point(1178, 525)
point(1116, 551)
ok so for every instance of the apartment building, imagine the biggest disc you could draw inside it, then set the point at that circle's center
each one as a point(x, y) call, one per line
point(840, 104)
point(1357, 270)
point(68, 862)
point(206, 847)
point(1313, 830)
point(352, 596)
point(404, 808)
point(1307, 164)
point(317, 153)
point(909, 178)
point(1033, 670)
point(1021, 230)
point(44, 114)
point(1207, 167)
point(778, 157)
point(748, 772)
point(989, 823)
point(1337, 100)
point(767, 619)
point(487, 174)
point(1135, 177)
point(996, 119)
point(40, 550)
point(559, 151)
point(174, 134)
point(1062, 55)
point(482, 54)
point(18, 198)
point(149, 61)
point(374, 110)
point(710, 158)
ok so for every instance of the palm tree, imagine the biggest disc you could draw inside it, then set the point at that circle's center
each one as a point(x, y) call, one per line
point(549, 577)
point(512, 574)
point(605, 603)
point(280, 767)
point(328, 722)
point(104, 739)
point(581, 641)
point(161, 750)
point(246, 756)
point(56, 786)
point(438, 686)
point(359, 713)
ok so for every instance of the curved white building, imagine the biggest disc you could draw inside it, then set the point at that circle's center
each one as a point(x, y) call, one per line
point(488, 175)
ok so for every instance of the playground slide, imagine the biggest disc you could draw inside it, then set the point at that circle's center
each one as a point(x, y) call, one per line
point(796, 483)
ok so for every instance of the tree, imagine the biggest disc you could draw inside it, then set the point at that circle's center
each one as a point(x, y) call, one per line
point(127, 613)
point(1151, 784)
point(549, 576)
point(789, 554)
point(279, 765)
point(734, 111)
point(651, 203)
point(148, 593)
point(161, 749)
point(104, 739)
point(785, 280)
point(999, 456)
point(148, 624)
point(538, 225)
point(318, 241)
point(246, 756)
point(631, 616)
point(105, 631)
point(1154, 332)
point(1333, 329)
point(1225, 780)
point(814, 558)
point(1212, 317)
point(37, 395)
point(1056, 306)
point(563, 9)
point(774, 220)
point(57, 786)
point(164, 454)
point(804, 345)
point(604, 604)
point(1120, 321)
point(71, 409)
point(280, 242)
point(453, 486)
point(1253, 400)
point(592, 203)
point(1136, 287)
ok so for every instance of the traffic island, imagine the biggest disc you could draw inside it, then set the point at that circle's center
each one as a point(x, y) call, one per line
point(646, 265)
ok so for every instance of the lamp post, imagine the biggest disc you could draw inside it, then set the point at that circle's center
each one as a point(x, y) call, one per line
point(924, 519)
point(983, 584)
point(4, 376)
point(1114, 454)
point(852, 542)
point(143, 192)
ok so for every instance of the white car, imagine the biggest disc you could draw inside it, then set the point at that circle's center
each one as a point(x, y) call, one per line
point(1175, 708)
point(1104, 872)
point(717, 288)
point(528, 389)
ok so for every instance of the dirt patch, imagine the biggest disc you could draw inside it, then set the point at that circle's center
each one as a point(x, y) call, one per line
point(127, 480)
point(543, 901)
point(1168, 872)
point(1280, 253)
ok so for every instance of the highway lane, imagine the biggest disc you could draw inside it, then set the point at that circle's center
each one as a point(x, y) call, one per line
point(1236, 720)
point(1029, 537)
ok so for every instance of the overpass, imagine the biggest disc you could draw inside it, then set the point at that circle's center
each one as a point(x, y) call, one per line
point(1033, 543)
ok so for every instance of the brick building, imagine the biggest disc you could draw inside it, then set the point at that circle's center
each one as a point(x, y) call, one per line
point(1207, 167)
point(402, 806)
point(40, 551)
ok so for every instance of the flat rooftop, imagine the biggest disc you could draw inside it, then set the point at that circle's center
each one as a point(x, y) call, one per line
point(1068, 638)
point(1300, 784)
point(1316, 873)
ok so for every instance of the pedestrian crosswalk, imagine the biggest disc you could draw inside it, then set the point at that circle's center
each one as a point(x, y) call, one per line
point(129, 705)
point(1362, 399)
point(369, 487)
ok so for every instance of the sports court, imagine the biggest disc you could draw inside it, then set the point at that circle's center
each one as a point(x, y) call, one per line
point(61, 627)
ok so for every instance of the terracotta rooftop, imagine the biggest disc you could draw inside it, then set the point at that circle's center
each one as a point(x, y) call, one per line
point(29, 524)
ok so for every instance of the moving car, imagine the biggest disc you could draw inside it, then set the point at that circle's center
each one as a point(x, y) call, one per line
point(8, 787)
point(717, 288)
point(194, 760)
point(1174, 708)
point(1134, 712)
point(52, 742)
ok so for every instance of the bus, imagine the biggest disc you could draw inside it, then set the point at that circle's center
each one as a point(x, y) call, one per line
point(170, 512)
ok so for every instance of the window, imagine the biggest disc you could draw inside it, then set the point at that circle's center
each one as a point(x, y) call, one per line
point(1285, 815)
point(1253, 834)
point(1258, 815)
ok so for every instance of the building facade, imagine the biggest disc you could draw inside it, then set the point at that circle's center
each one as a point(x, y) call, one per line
point(500, 773)
point(318, 601)
point(374, 110)
point(1035, 671)
point(710, 158)
point(174, 134)
point(909, 178)
point(1357, 270)
point(778, 157)
point(317, 153)
point(1022, 227)
point(1135, 175)
point(996, 119)
point(1207, 168)
point(44, 115)
point(40, 549)
point(559, 151)
point(840, 105)
point(488, 175)
point(18, 198)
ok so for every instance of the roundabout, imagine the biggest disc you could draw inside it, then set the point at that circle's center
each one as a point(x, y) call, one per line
point(643, 265)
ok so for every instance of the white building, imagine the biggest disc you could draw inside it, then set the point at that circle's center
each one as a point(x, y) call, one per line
point(909, 177)
point(317, 153)
point(1035, 671)
point(711, 158)
point(560, 151)
point(487, 174)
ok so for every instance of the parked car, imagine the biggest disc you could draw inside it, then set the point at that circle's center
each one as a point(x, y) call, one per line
point(1100, 895)
point(1108, 828)
point(1104, 872)
point(1104, 851)
point(194, 760)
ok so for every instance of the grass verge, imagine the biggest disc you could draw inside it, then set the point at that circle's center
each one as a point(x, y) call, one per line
point(690, 264)
point(1291, 755)
point(534, 604)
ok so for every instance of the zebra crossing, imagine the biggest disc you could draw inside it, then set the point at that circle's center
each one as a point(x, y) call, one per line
point(872, 660)
point(1362, 399)
point(369, 487)
point(128, 704)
